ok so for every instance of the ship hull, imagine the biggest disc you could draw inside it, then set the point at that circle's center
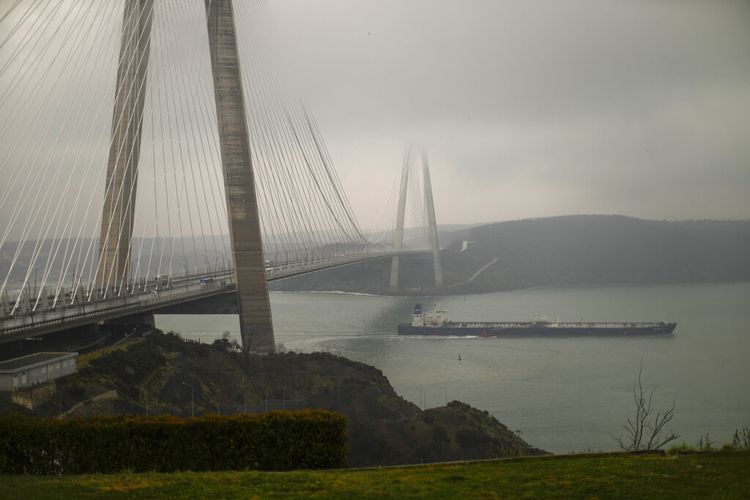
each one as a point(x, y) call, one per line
point(539, 330)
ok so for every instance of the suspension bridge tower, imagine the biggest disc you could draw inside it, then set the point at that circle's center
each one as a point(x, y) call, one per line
point(256, 325)
point(122, 166)
point(429, 206)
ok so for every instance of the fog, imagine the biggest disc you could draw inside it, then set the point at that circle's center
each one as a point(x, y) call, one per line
point(526, 108)
point(532, 108)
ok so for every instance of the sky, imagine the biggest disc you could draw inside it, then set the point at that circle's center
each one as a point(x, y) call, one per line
point(526, 108)
point(530, 108)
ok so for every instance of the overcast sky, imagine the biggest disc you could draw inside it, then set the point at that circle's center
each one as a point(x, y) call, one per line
point(531, 108)
point(527, 108)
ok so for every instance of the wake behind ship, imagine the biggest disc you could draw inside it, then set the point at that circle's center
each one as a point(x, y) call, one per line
point(435, 323)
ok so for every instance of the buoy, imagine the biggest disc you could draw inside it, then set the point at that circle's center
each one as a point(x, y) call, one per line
point(459, 357)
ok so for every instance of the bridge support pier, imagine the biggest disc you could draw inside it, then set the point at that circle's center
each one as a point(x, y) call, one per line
point(256, 325)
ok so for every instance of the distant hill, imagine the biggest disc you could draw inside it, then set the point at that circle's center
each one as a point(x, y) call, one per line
point(564, 251)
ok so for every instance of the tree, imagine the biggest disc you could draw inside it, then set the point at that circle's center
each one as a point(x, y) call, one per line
point(646, 430)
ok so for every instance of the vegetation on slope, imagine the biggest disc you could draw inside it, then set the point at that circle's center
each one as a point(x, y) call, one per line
point(167, 375)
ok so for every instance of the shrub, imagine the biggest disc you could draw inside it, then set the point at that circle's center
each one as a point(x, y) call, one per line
point(704, 443)
point(310, 439)
point(469, 439)
point(741, 439)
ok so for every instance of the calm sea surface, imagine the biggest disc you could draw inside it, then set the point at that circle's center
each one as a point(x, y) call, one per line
point(562, 395)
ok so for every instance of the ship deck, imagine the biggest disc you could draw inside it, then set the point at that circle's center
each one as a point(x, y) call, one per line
point(549, 324)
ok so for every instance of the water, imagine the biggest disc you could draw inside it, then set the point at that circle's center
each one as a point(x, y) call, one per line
point(563, 395)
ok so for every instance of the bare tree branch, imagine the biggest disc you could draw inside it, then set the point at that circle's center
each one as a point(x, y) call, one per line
point(642, 431)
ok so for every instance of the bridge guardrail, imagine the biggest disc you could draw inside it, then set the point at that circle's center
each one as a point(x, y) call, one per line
point(104, 307)
point(181, 289)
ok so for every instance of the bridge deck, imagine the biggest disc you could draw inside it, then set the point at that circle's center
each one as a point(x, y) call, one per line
point(180, 290)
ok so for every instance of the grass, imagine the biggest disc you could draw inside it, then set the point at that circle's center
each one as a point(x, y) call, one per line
point(705, 475)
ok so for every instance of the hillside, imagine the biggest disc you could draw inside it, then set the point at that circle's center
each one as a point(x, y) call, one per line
point(562, 251)
point(156, 375)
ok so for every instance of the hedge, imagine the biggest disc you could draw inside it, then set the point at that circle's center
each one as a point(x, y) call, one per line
point(282, 440)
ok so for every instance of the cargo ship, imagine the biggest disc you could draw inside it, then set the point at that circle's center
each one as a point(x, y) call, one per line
point(435, 323)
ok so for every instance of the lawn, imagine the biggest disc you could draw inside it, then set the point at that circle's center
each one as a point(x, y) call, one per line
point(708, 475)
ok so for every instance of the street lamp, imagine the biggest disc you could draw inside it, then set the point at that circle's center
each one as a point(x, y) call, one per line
point(77, 283)
point(156, 274)
point(244, 394)
point(145, 398)
point(36, 269)
point(192, 399)
point(445, 393)
point(131, 271)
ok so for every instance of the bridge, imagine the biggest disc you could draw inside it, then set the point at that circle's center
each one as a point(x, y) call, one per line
point(133, 150)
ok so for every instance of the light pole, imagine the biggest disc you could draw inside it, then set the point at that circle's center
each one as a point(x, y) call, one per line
point(244, 395)
point(75, 273)
point(141, 392)
point(156, 274)
point(36, 269)
point(445, 393)
point(77, 282)
point(186, 265)
point(192, 399)
point(131, 270)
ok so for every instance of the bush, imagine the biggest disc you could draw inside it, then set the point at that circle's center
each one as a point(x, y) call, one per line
point(310, 439)
point(741, 439)
point(469, 439)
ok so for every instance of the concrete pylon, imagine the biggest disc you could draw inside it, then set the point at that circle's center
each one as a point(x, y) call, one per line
point(256, 325)
point(398, 236)
point(431, 221)
point(125, 148)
